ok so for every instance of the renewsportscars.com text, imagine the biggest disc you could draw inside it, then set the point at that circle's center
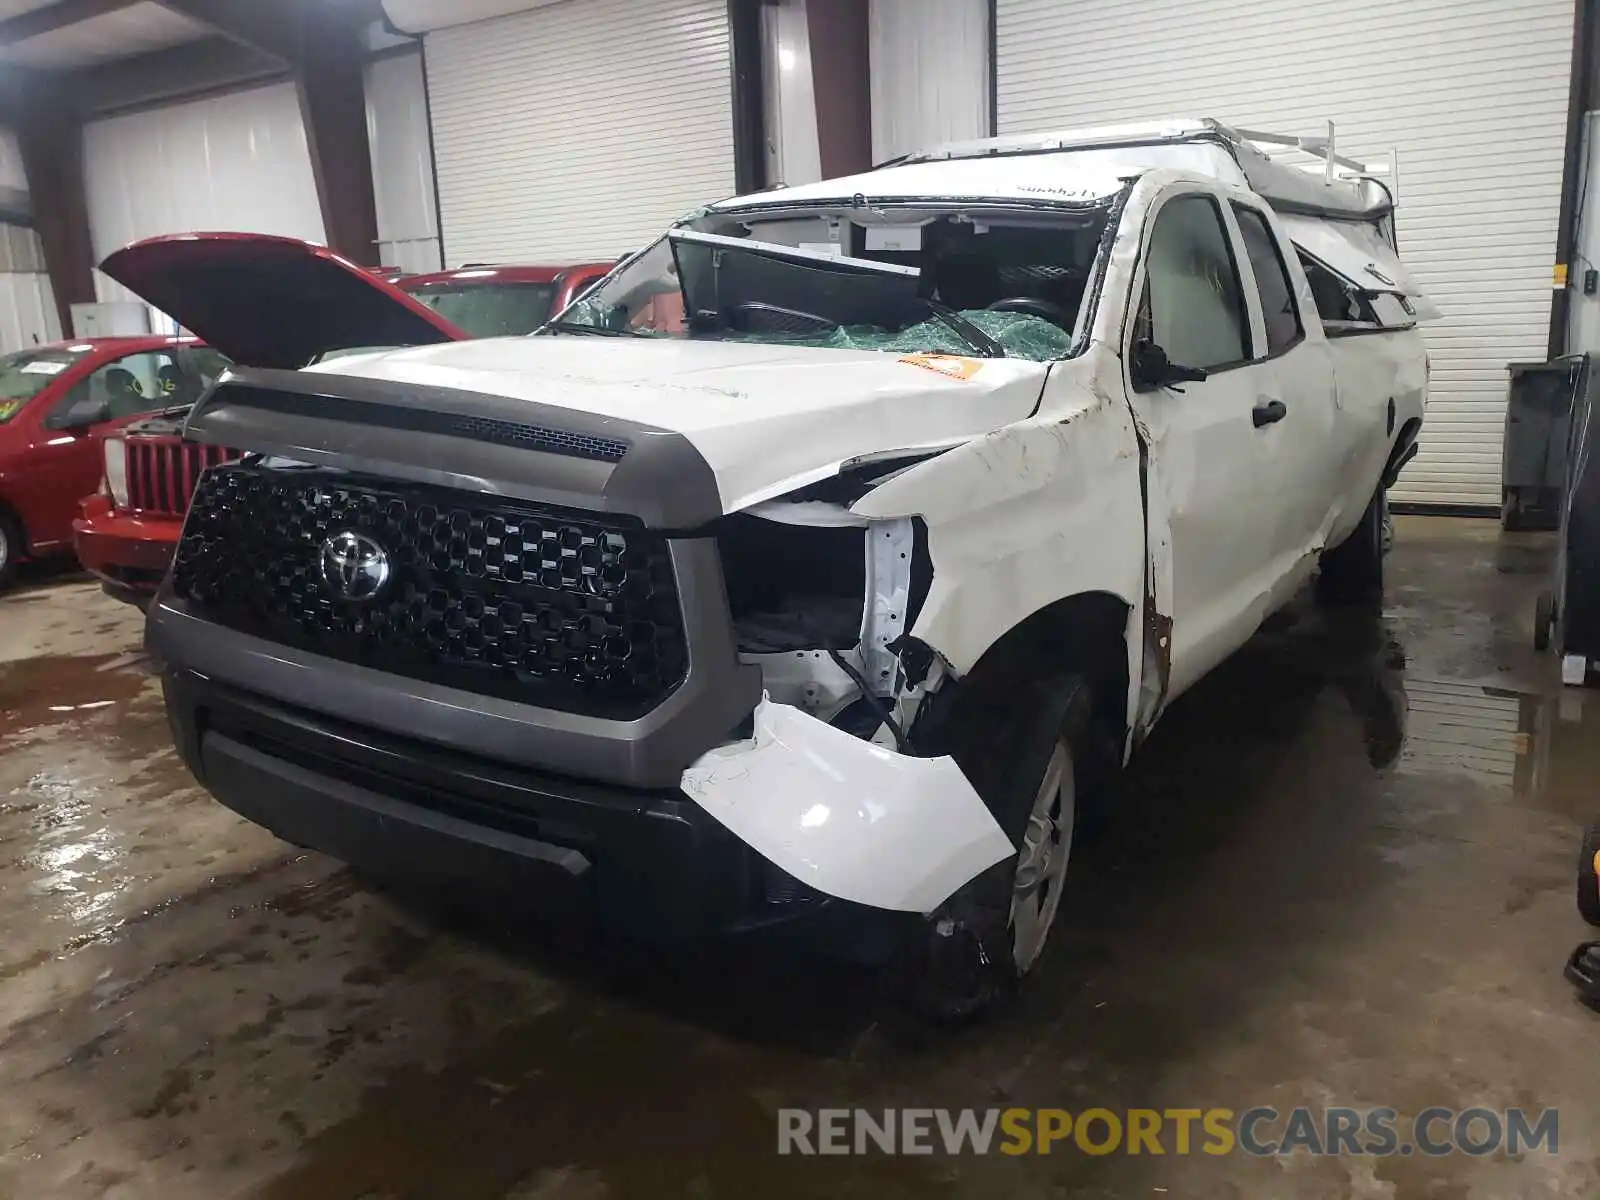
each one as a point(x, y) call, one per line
point(1262, 1131)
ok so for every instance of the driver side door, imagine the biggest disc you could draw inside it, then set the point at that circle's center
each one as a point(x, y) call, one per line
point(1208, 467)
point(67, 459)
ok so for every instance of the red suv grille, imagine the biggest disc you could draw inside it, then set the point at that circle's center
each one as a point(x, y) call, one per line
point(163, 472)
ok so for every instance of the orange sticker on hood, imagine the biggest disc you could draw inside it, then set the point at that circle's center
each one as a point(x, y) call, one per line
point(952, 365)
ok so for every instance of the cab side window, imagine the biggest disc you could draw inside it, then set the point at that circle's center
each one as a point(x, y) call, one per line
point(123, 387)
point(196, 369)
point(131, 385)
point(1338, 304)
point(1278, 307)
point(1193, 302)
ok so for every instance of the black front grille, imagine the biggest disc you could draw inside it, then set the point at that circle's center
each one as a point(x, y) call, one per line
point(552, 607)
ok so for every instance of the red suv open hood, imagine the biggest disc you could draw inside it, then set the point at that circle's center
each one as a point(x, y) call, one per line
point(273, 301)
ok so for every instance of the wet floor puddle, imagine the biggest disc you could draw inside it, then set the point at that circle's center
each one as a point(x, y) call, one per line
point(65, 832)
point(1543, 749)
point(54, 690)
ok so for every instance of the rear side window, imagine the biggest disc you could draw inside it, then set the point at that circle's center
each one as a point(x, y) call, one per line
point(1342, 308)
point(1278, 308)
point(1194, 306)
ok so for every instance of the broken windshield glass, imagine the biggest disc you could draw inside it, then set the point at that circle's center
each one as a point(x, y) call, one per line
point(706, 286)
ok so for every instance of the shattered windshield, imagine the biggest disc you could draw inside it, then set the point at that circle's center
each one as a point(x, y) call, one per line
point(25, 374)
point(491, 310)
point(708, 286)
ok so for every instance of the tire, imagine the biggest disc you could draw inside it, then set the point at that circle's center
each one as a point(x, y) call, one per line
point(1588, 883)
point(1544, 620)
point(1352, 571)
point(10, 549)
point(1030, 756)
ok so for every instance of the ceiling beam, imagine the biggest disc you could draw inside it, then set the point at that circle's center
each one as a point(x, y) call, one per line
point(182, 72)
point(23, 89)
point(290, 30)
point(56, 16)
point(269, 28)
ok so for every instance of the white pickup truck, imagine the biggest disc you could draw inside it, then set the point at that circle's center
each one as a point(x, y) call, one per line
point(821, 563)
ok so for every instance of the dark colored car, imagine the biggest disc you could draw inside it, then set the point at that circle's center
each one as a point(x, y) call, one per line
point(126, 532)
point(57, 404)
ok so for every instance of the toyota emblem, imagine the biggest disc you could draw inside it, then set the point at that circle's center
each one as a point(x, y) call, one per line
point(354, 566)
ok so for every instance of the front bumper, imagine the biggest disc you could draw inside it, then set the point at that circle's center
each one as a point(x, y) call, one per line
point(130, 554)
point(649, 863)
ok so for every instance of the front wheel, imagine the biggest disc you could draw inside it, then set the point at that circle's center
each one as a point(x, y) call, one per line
point(1352, 571)
point(10, 550)
point(1028, 757)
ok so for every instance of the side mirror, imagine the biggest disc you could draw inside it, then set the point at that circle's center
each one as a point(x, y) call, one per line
point(1152, 369)
point(79, 414)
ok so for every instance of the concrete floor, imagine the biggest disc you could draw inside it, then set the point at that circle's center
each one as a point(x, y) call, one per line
point(1342, 873)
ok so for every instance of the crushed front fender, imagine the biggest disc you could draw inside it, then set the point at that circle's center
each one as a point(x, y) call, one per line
point(844, 816)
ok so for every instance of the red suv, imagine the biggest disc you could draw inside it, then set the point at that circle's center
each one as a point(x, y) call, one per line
point(57, 403)
point(127, 532)
point(502, 301)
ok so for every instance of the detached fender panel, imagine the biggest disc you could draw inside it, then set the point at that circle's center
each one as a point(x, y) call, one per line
point(846, 817)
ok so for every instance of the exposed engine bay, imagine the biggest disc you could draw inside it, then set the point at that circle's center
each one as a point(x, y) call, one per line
point(821, 598)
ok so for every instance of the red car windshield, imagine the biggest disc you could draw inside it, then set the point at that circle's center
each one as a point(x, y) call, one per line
point(491, 309)
point(26, 373)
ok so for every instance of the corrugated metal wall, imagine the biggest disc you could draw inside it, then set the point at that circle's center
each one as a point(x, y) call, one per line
point(930, 73)
point(13, 180)
point(794, 153)
point(1473, 92)
point(27, 304)
point(578, 130)
point(236, 162)
point(402, 163)
point(240, 162)
point(1583, 321)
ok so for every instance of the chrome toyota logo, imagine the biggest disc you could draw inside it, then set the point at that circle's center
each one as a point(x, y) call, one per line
point(354, 566)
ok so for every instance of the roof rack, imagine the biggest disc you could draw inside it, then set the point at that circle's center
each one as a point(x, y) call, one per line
point(1293, 171)
point(1316, 154)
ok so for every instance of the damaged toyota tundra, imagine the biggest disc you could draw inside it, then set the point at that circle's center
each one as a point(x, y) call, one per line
point(821, 567)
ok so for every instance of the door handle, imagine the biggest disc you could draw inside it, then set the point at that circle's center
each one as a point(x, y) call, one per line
point(1267, 412)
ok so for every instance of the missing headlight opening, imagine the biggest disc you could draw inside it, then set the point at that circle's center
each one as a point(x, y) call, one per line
point(821, 600)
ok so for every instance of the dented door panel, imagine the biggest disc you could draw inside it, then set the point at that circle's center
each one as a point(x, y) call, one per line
point(1042, 510)
point(1209, 459)
point(1370, 370)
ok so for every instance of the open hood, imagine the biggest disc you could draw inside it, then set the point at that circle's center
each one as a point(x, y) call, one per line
point(273, 301)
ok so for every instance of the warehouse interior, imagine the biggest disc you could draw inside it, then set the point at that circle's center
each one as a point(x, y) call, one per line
point(1335, 881)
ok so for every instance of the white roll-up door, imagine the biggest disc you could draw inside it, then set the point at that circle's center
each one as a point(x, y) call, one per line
point(577, 130)
point(1473, 93)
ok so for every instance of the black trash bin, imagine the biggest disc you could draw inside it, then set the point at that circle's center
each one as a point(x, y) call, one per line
point(1533, 462)
point(1568, 615)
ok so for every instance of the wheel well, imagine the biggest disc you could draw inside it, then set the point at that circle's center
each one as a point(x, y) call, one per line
point(10, 515)
point(1404, 448)
point(1082, 635)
